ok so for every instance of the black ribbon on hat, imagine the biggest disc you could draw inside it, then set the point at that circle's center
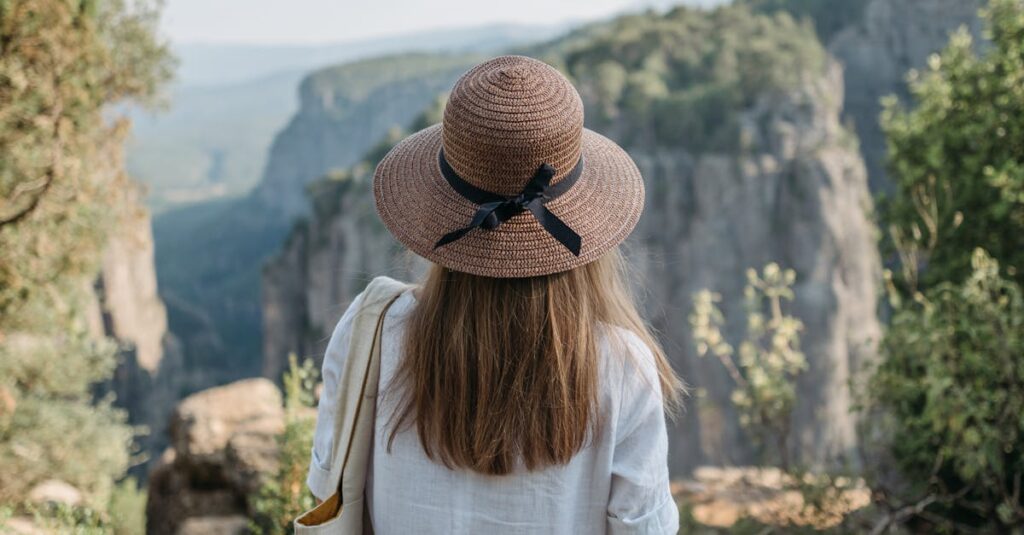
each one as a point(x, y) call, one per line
point(496, 209)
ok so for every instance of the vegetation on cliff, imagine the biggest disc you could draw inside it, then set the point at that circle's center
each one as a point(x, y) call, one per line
point(681, 78)
point(951, 376)
point(62, 190)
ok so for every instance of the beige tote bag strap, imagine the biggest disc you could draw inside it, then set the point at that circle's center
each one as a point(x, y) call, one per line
point(342, 513)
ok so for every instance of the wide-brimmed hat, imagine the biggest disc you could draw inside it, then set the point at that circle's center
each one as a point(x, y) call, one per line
point(510, 184)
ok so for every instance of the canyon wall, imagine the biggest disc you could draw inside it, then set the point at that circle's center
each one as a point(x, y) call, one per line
point(797, 195)
point(127, 308)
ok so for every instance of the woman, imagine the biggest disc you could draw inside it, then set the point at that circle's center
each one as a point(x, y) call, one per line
point(520, 390)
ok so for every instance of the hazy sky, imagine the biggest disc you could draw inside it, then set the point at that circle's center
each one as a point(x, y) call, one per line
point(312, 21)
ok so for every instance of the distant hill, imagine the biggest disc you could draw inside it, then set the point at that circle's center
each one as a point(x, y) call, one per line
point(230, 101)
point(224, 64)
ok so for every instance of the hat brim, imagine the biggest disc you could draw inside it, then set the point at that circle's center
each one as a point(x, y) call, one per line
point(418, 206)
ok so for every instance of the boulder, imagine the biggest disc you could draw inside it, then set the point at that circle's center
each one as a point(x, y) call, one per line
point(224, 441)
point(204, 423)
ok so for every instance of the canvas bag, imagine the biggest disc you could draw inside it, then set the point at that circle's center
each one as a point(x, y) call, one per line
point(343, 512)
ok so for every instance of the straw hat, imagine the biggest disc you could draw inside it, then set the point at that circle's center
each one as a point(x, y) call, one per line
point(510, 184)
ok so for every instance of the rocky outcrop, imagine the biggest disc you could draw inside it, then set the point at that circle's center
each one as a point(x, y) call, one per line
point(343, 112)
point(796, 194)
point(131, 308)
point(128, 309)
point(223, 442)
point(721, 497)
point(893, 37)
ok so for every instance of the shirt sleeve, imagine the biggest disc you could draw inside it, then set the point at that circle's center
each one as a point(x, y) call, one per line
point(318, 479)
point(640, 500)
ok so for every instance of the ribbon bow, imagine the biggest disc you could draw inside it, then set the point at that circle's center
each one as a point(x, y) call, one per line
point(496, 209)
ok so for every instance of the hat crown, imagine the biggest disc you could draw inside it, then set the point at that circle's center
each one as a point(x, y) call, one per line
point(506, 117)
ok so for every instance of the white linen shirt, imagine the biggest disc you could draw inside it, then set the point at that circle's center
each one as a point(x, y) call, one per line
point(618, 483)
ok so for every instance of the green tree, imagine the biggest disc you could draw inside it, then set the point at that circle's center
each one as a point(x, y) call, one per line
point(829, 16)
point(950, 382)
point(951, 385)
point(63, 64)
point(683, 77)
point(957, 158)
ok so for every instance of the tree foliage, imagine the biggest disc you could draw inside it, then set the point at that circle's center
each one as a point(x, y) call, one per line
point(951, 382)
point(682, 78)
point(63, 63)
point(829, 16)
point(957, 157)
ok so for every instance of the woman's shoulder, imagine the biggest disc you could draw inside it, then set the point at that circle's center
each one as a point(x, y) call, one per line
point(628, 359)
point(625, 345)
point(343, 327)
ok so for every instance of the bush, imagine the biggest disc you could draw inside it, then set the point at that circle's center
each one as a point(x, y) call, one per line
point(951, 383)
point(956, 158)
point(769, 356)
point(124, 514)
point(285, 496)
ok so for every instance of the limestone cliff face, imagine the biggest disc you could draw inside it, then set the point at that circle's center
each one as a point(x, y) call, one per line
point(795, 194)
point(128, 309)
point(322, 267)
point(211, 256)
point(893, 37)
point(132, 311)
point(345, 111)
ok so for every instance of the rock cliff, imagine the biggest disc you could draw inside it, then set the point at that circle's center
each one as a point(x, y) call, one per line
point(128, 309)
point(210, 255)
point(877, 51)
point(796, 194)
point(343, 112)
point(324, 264)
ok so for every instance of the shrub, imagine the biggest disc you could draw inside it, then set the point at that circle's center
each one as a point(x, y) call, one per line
point(951, 384)
point(956, 158)
point(285, 496)
point(769, 356)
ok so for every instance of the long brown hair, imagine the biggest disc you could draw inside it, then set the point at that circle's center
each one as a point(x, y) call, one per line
point(500, 370)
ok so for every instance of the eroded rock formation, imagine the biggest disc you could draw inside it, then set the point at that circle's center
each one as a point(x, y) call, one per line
point(223, 442)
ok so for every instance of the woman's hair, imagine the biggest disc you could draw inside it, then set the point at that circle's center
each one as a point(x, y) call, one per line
point(497, 370)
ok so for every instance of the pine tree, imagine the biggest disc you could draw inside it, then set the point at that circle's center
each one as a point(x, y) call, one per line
point(63, 65)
